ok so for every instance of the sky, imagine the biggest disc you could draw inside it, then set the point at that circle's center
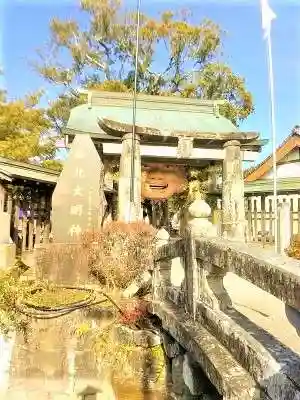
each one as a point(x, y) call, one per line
point(24, 28)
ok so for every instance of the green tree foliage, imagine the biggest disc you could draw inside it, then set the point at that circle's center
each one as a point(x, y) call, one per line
point(23, 130)
point(59, 110)
point(56, 165)
point(11, 290)
point(103, 57)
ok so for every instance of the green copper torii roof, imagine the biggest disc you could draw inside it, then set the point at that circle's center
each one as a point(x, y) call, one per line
point(164, 113)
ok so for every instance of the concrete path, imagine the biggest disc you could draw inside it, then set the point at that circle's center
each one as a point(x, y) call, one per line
point(263, 309)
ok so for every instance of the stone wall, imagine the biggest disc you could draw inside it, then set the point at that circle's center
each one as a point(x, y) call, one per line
point(51, 361)
point(185, 377)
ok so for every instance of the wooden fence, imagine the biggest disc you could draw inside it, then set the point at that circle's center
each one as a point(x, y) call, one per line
point(260, 217)
point(31, 231)
point(30, 226)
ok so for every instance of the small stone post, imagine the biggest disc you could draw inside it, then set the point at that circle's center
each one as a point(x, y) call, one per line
point(197, 219)
point(233, 192)
point(128, 211)
point(191, 278)
point(284, 227)
point(217, 217)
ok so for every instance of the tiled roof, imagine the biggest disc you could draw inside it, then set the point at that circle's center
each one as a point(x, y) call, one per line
point(295, 132)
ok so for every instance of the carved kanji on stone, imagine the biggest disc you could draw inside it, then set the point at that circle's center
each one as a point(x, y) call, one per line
point(78, 201)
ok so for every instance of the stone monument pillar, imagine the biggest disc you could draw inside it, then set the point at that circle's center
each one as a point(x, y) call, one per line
point(130, 211)
point(233, 208)
point(78, 201)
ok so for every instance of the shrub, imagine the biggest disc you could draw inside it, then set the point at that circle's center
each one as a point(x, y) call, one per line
point(11, 289)
point(120, 252)
point(294, 250)
point(134, 312)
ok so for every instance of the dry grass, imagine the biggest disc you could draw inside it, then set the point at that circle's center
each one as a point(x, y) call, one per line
point(120, 252)
point(114, 255)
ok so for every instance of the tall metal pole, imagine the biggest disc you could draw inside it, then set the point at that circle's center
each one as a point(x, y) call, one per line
point(268, 16)
point(134, 107)
point(273, 123)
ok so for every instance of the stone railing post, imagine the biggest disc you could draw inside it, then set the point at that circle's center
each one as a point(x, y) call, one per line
point(217, 221)
point(217, 217)
point(197, 224)
point(284, 227)
point(233, 192)
point(162, 269)
point(130, 211)
point(191, 286)
point(204, 281)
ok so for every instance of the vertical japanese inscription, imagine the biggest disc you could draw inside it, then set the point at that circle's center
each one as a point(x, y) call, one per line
point(89, 213)
point(76, 209)
point(77, 198)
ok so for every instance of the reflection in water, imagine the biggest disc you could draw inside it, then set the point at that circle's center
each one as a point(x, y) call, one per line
point(134, 392)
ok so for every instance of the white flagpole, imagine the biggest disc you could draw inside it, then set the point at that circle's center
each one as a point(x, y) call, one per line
point(274, 145)
point(267, 17)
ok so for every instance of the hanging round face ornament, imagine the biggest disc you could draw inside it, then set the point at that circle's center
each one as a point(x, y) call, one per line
point(160, 181)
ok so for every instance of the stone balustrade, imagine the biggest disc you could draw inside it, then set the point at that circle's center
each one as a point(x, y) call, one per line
point(278, 275)
point(199, 314)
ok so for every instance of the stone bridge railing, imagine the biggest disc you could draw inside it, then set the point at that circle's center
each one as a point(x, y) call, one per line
point(242, 360)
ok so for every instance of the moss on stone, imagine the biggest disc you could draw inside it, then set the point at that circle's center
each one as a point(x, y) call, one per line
point(54, 297)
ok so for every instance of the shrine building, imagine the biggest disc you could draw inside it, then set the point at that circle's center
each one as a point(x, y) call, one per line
point(171, 133)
